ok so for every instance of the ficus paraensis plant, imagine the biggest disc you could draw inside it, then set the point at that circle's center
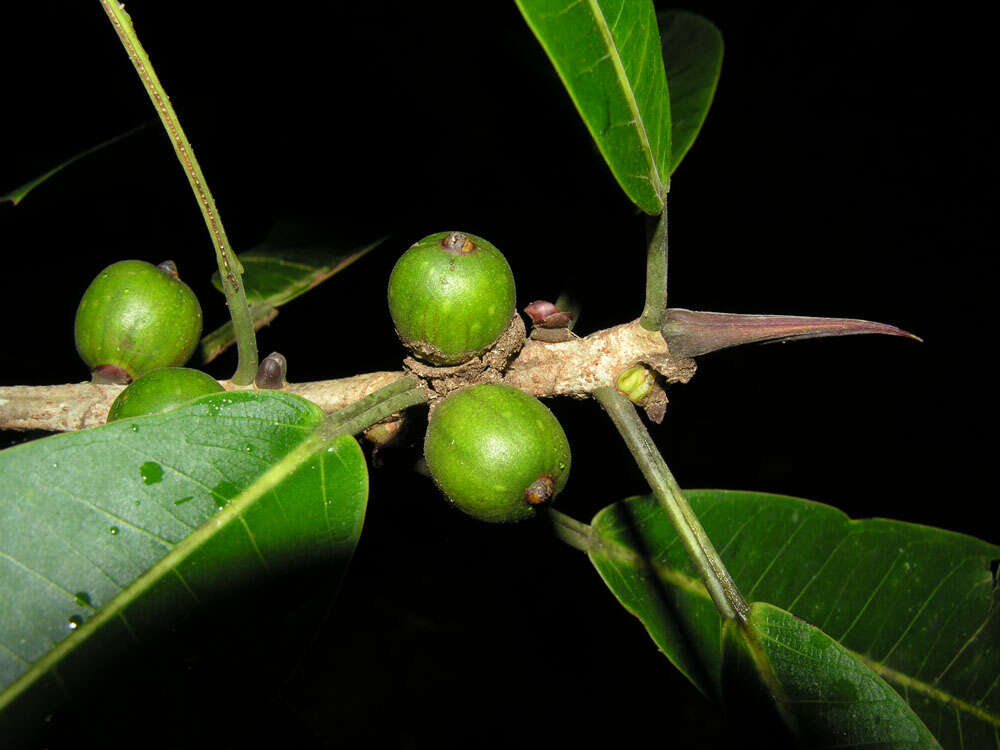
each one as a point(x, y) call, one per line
point(495, 398)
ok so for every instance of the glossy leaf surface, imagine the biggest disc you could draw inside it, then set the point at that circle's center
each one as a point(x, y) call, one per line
point(608, 55)
point(917, 605)
point(692, 53)
point(109, 534)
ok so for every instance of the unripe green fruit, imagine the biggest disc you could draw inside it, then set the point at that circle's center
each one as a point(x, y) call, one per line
point(451, 295)
point(135, 317)
point(496, 452)
point(162, 390)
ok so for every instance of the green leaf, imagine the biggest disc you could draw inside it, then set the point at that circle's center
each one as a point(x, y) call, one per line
point(818, 688)
point(108, 533)
point(692, 52)
point(916, 605)
point(607, 53)
point(275, 273)
point(18, 194)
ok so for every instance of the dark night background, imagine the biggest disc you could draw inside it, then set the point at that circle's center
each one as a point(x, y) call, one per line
point(847, 169)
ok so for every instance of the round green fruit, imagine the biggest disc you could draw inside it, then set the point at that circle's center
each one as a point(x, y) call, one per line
point(496, 452)
point(162, 390)
point(451, 295)
point(136, 317)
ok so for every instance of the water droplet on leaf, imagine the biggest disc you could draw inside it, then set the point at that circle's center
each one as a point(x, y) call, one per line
point(223, 492)
point(151, 472)
point(74, 622)
point(83, 599)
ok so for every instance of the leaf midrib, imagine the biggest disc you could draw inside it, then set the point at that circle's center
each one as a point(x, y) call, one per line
point(623, 81)
point(919, 686)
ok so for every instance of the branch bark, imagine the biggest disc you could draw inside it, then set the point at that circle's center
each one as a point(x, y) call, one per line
point(573, 368)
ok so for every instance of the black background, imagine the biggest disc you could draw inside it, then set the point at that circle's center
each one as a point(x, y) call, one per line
point(847, 169)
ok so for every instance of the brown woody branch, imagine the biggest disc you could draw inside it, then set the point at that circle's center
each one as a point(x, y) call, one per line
point(570, 368)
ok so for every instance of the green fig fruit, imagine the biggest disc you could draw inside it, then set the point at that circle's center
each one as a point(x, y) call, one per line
point(496, 452)
point(136, 317)
point(451, 295)
point(162, 390)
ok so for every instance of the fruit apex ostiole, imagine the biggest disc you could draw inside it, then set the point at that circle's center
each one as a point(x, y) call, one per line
point(539, 491)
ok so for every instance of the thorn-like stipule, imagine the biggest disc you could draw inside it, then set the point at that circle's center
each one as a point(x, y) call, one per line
point(690, 333)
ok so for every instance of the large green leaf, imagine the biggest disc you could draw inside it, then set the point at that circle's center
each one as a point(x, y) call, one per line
point(916, 605)
point(692, 52)
point(607, 53)
point(109, 533)
point(276, 272)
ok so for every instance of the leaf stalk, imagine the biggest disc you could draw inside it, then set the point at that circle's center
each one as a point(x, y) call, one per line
point(655, 311)
point(229, 266)
point(727, 598)
point(569, 530)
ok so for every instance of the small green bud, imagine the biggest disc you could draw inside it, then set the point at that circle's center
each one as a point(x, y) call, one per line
point(637, 383)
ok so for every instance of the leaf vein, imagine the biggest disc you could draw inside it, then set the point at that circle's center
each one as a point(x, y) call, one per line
point(920, 611)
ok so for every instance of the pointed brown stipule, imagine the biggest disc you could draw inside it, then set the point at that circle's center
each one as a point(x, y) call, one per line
point(690, 333)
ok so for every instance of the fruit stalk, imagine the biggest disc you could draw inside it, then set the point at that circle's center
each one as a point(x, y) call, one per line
point(229, 266)
point(725, 595)
point(656, 276)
